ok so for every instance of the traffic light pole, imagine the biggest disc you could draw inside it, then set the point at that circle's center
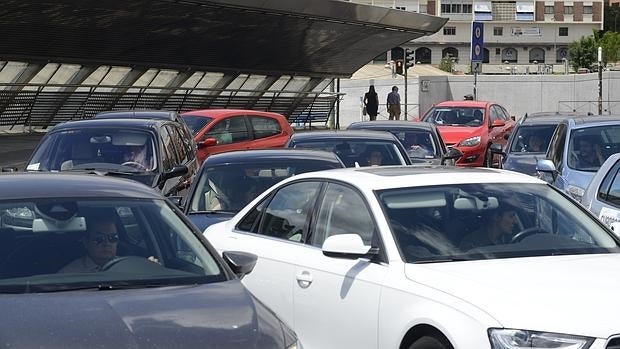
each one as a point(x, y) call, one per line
point(405, 75)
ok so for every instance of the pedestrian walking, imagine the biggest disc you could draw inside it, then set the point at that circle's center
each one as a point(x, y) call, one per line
point(393, 104)
point(371, 103)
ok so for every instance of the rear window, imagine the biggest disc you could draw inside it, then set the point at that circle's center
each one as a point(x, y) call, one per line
point(360, 152)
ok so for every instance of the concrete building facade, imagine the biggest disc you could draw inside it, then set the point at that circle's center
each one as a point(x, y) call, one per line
point(515, 32)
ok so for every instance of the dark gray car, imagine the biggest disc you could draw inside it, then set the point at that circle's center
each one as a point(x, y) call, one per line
point(422, 140)
point(529, 141)
point(96, 262)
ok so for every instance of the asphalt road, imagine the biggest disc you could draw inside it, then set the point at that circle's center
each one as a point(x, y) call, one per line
point(16, 149)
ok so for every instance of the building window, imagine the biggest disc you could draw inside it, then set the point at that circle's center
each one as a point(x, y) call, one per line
point(401, 8)
point(449, 30)
point(549, 10)
point(568, 10)
point(445, 8)
point(587, 10)
point(498, 31)
point(468, 7)
point(456, 8)
point(563, 31)
point(498, 51)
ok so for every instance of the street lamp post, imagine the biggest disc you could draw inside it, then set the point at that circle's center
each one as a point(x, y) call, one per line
point(600, 80)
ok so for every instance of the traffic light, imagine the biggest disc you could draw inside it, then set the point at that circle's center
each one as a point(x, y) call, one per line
point(399, 66)
point(409, 58)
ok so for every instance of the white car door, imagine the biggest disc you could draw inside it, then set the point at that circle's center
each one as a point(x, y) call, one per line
point(337, 299)
point(272, 230)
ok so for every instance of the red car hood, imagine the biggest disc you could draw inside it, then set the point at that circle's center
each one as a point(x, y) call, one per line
point(455, 134)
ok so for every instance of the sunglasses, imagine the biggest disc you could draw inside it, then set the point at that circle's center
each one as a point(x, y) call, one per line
point(100, 238)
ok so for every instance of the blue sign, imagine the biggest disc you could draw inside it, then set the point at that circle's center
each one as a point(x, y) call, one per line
point(477, 41)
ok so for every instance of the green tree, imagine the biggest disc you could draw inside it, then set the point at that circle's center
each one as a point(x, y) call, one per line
point(583, 53)
point(611, 18)
point(447, 64)
point(610, 42)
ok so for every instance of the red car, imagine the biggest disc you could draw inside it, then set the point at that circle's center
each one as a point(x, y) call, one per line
point(221, 130)
point(471, 127)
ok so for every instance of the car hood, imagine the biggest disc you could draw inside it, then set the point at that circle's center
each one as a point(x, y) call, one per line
point(203, 220)
point(522, 163)
point(566, 294)
point(454, 134)
point(218, 315)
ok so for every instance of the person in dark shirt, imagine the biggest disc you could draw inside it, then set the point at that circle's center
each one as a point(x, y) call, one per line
point(393, 104)
point(371, 103)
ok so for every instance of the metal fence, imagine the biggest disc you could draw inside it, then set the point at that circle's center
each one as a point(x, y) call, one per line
point(44, 105)
point(591, 107)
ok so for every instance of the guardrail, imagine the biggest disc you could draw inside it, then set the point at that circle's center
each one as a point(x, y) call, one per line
point(44, 105)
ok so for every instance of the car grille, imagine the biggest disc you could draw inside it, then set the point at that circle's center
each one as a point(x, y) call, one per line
point(613, 343)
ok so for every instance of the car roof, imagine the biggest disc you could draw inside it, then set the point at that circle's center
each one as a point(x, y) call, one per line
point(134, 123)
point(58, 185)
point(471, 104)
point(387, 125)
point(342, 135)
point(218, 113)
point(546, 117)
point(138, 114)
point(271, 155)
point(595, 119)
point(388, 177)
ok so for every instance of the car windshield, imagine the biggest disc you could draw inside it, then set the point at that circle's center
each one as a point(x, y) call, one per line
point(61, 244)
point(230, 187)
point(108, 149)
point(418, 143)
point(532, 139)
point(360, 152)
point(488, 221)
point(455, 116)
point(588, 148)
point(196, 123)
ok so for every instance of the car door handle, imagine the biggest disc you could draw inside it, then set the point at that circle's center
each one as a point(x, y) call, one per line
point(304, 279)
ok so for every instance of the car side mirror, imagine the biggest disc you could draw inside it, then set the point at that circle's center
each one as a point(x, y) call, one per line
point(497, 149)
point(498, 123)
point(175, 172)
point(241, 263)
point(451, 154)
point(9, 169)
point(349, 246)
point(513, 118)
point(206, 143)
point(546, 167)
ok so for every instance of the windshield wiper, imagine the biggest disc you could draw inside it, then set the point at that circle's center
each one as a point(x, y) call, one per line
point(103, 172)
point(213, 212)
point(443, 260)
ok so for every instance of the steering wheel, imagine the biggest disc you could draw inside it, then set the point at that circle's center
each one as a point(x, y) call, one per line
point(527, 232)
point(113, 262)
point(134, 164)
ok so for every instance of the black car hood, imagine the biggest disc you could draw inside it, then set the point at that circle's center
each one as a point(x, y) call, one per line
point(218, 315)
point(522, 163)
point(204, 220)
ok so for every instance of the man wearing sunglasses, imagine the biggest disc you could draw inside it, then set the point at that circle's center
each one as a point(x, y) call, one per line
point(100, 242)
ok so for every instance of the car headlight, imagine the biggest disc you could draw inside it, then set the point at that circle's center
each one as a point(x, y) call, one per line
point(502, 338)
point(295, 345)
point(470, 142)
point(576, 192)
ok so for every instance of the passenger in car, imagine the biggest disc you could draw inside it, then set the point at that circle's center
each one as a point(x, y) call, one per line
point(535, 144)
point(588, 153)
point(498, 229)
point(100, 242)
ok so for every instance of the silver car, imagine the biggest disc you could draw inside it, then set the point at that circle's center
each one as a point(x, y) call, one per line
point(602, 196)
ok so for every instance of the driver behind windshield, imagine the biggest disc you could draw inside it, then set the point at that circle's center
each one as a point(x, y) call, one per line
point(497, 229)
point(137, 155)
point(100, 243)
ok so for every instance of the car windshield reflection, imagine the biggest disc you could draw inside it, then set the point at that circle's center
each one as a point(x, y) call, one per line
point(456, 116)
point(588, 148)
point(52, 245)
point(488, 221)
point(532, 139)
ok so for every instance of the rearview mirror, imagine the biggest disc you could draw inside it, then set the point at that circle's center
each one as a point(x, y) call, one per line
point(348, 246)
point(498, 123)
point(206, 143)
point(451, 154)
point(241, 263)
point(497, 149)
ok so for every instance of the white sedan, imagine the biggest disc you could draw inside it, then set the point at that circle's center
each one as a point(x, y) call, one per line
point(401, 257)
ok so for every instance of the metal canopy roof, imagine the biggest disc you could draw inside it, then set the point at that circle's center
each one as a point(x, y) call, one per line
point(317, 38)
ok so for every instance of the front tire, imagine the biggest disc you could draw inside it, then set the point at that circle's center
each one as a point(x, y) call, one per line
point(488, 158)
point(430, 342)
